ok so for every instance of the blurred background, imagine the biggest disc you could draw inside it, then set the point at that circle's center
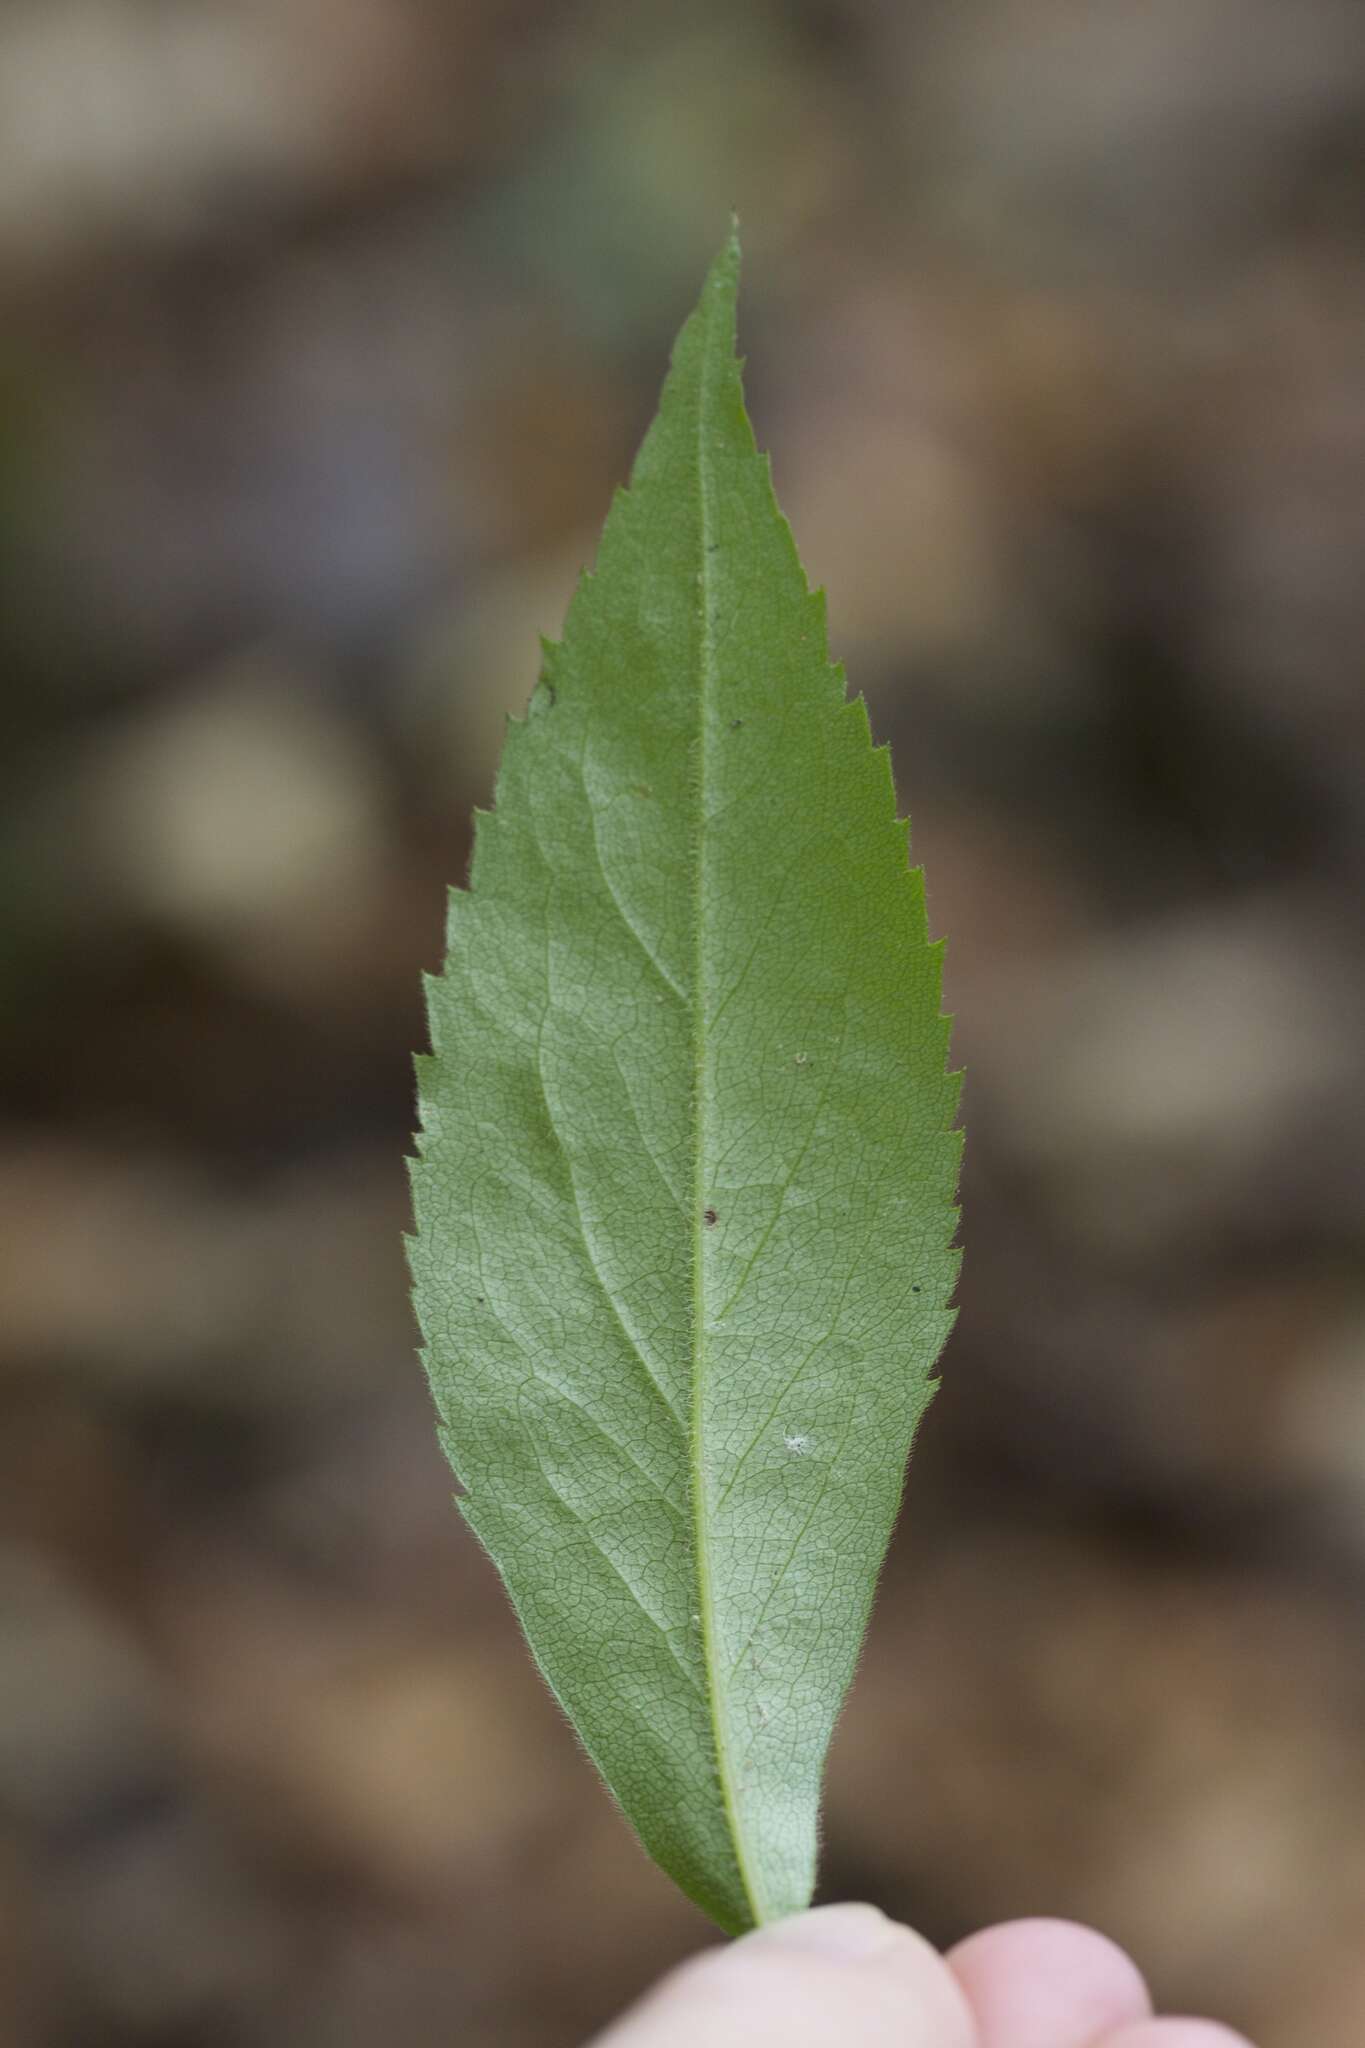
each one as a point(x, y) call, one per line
point(328, 327)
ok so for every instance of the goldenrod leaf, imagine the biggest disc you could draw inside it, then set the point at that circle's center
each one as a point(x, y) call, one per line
point(686, 1179)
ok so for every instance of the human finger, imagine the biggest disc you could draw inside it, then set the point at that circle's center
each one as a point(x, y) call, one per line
point(1047, 1984)
point(1174, 2034)
point(838, 1977)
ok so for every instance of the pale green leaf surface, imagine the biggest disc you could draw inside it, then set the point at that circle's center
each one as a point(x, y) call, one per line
point(686, 1178)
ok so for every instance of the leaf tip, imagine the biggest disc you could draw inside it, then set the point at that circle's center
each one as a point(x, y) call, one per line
point(723, 278)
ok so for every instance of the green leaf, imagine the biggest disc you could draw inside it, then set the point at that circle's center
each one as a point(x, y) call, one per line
point(685, 1189)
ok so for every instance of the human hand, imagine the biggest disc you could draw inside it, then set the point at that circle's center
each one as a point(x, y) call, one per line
point(846, 1977)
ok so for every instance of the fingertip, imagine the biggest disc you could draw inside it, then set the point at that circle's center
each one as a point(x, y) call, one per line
point(1175, 2034)
point(1048, 1984)
point(850, 1933)
point(861, 1955)
point(817, 1980)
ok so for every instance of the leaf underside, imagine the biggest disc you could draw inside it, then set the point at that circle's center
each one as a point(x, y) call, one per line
point(686, 1176)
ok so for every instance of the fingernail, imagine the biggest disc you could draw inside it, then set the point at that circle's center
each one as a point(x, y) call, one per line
point(843, 1934)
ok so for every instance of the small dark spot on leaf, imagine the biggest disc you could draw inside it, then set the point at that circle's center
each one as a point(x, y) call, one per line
point(735, 724)
point(478, 1298)
point(708, 1216)
point(915, 1288)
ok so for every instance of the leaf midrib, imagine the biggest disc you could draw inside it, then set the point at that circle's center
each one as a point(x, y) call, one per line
point(700, 1138)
